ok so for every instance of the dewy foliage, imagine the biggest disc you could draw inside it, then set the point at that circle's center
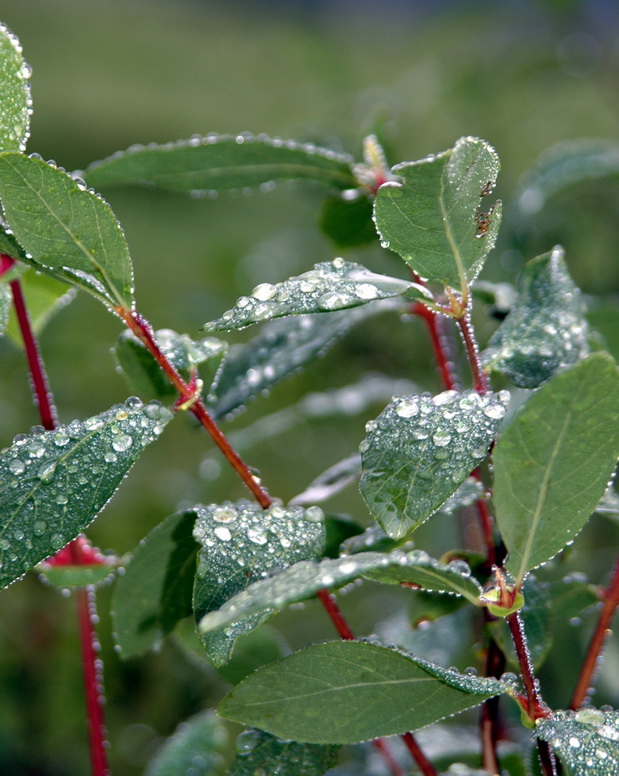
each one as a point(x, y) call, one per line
point(333, 285)
point(259, 752)
point(305, 579)
point(197, 747)
point(432, 216)
point(14, 94)
point(348, 691)
point(205, 164)
point(54, 483)
point(554, 460)
point(67, 230)
point(241, 543)
point(545, 330)
point(420, 449)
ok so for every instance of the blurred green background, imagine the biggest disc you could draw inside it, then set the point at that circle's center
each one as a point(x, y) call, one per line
point(110, 73)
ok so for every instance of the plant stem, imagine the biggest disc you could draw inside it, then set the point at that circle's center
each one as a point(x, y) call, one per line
point(425, 766)
point(337, 618)
point(480, 381)
point(438, 338)
point(40, 386)
point(535, 705)
point(601, 632)
point(85, 603)
point(394, 766)
point(489, 714)
point(144, 332)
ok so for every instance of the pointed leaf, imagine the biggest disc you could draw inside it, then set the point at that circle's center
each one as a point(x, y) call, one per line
point(432, 217)
point(552, 463)
point(14, 93)
point(545, 330)
point(45, 297)
point(347, 691)
point(6, 299)
point(586, 741)
point(54, 483)
point(420, 449)
point(261, 753)
point(278, 351)
point(331, 285)
point(215, 162)
point(155, 591)
point(144, 374)
point(241, 543)
point(68, 231)
point(198, 747)
point(570, 596)
point(305, 579)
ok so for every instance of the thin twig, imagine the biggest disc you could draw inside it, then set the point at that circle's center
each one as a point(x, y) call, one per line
point(600, 634)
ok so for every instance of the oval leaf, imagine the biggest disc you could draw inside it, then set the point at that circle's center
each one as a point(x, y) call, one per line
point(215, 162)
point(332, 285)
point(432, 216)
point(420, 449)
point(241, 543)
point(67, 230)
point(14, 93)
point(586, 741)
point(198, 747)
point(54, 483)
point(545, 330)
point(305, 579)
point(155, 591)
point(261, 753)
point(348, 691)
point(552, 463)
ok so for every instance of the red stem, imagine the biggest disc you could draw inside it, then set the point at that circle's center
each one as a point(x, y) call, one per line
point(93, 681)
point(394, 766)
point(40, 387)
point(337, 618)
point(535, 706)
point(85, 607)
point(489, 714)
point(425, 766)
point(143, 330)
point(434, 323)
point(601, 632)
point(480, 381)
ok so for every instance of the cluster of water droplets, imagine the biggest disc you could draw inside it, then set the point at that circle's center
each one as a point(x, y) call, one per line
point(305, 578)
point(57, 481)
point(195, 749)
point(333, 285)
point(422, 447)
point(586, 741)
point(15, 99)
point(546, 329)
point(261, 754)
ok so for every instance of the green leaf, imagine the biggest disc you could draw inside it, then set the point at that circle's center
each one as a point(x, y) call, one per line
point(545, 330)
point(609, 504)
point(586, 741)
point(45, 297)
point(54, 483)
point(571, 595)
point(331, 285)
point(145, 375)
point(241, 543)
point(215, 162)
point(6, 299)
point(14, 93)
point(305, 579)
point(552, 463)
point(198, 747)
point(68, 231)
point(278, 351)
point(420, 449)
point(261, 753)
point(348, 222)
point(432, 217)
point(251, 651)
point(339, 528)
point(155, 591)
point(348, 691)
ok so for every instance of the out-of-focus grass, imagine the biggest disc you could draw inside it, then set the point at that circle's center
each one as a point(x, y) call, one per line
point(109, 74)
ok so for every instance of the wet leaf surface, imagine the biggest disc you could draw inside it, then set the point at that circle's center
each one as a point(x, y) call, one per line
point(259, 752)
point(14, 93)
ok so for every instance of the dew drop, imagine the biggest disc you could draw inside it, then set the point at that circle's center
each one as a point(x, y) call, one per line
point(46, 472)
point(221, 532)
point(264, 292)
point(39, 527)
point(16, 466)
point(494, 411)
point(256, 535)
point(122, 443)
point(225, 514)
point(407, 408)
point(441, 438)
